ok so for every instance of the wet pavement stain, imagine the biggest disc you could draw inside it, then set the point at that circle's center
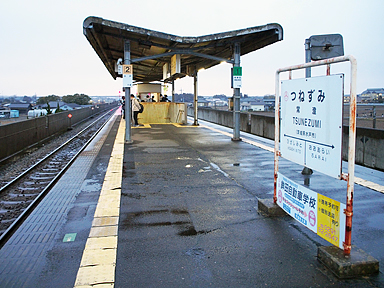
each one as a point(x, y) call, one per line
point(179, 212)
point(201, 275)
point(133, 195)
point(178, 218)
point(191, 231)
point(154, 218)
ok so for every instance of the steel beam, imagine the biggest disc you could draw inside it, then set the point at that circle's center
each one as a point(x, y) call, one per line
point(185, 52)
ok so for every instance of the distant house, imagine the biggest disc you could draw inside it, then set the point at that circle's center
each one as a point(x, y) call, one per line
point(217, 102)
point(202, 102)
point(71, 106)
point(372, 94)
point(252, 106)
point(22, 108)
point(62, 105)
point(52, 104)
point(6, 114)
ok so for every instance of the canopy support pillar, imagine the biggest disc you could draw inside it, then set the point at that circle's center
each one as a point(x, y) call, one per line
point(128, 103)
point(236, 98)
point(195, 121)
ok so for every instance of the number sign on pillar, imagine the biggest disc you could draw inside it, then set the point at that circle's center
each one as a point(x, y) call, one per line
point(127, 75)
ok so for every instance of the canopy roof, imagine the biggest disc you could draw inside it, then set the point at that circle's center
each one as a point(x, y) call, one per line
point(150, 50)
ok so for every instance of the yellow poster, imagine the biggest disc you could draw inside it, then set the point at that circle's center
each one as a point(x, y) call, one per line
point(329, 224)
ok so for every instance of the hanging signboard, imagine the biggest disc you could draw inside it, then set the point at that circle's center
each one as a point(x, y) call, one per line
point(175, 64)
point(237, 74)
point(127, 75)
point(320, 214)
point(311, 122)
point(166, 73)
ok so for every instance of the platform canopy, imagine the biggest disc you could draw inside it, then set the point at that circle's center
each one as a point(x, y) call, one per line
point(150, 50)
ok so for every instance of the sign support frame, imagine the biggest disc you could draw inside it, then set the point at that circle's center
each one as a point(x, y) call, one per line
point(350, 176)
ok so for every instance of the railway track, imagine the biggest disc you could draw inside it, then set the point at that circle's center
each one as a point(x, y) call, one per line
point(23, 193)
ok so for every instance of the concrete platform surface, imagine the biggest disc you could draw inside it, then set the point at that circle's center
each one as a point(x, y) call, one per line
point(189, 216)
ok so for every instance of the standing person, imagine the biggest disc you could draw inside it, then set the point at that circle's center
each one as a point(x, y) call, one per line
point(123, 106)
point(135, 109)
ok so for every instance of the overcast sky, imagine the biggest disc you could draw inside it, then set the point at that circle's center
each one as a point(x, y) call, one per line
point(43, 50)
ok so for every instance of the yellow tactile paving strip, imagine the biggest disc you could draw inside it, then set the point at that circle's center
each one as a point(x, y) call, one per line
point(143, 126)
point(149, 125)
point(97, 267)
point(174, 124)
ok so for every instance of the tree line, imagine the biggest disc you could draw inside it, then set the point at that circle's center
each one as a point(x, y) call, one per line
point(80, 99)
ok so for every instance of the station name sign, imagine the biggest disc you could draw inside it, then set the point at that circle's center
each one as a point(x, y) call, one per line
point(311, 122)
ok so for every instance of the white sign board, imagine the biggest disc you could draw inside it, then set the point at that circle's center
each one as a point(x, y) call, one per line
point(127, 75)
point(311, 122)
point(127, 80)
point(322, 215)
point(237, 74)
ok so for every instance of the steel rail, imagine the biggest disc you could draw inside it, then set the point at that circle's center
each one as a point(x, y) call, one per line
point(46, 139)
point(50, 154)
point(21, 218)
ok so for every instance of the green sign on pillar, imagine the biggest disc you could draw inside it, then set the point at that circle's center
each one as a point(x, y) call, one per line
point(236, 77)
point(237, 71)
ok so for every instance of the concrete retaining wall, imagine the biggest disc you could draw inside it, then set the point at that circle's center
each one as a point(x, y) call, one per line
point(17, 136)
point(369, 147)
point(260, 125)
point(369, 142)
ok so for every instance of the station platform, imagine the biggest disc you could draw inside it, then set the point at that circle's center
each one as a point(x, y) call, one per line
point(178, 208)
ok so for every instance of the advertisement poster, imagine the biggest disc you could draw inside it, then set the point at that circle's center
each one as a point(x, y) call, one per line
point(331, 225)
point(320, 214)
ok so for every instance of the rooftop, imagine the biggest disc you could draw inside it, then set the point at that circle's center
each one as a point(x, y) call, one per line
point(150, 50)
